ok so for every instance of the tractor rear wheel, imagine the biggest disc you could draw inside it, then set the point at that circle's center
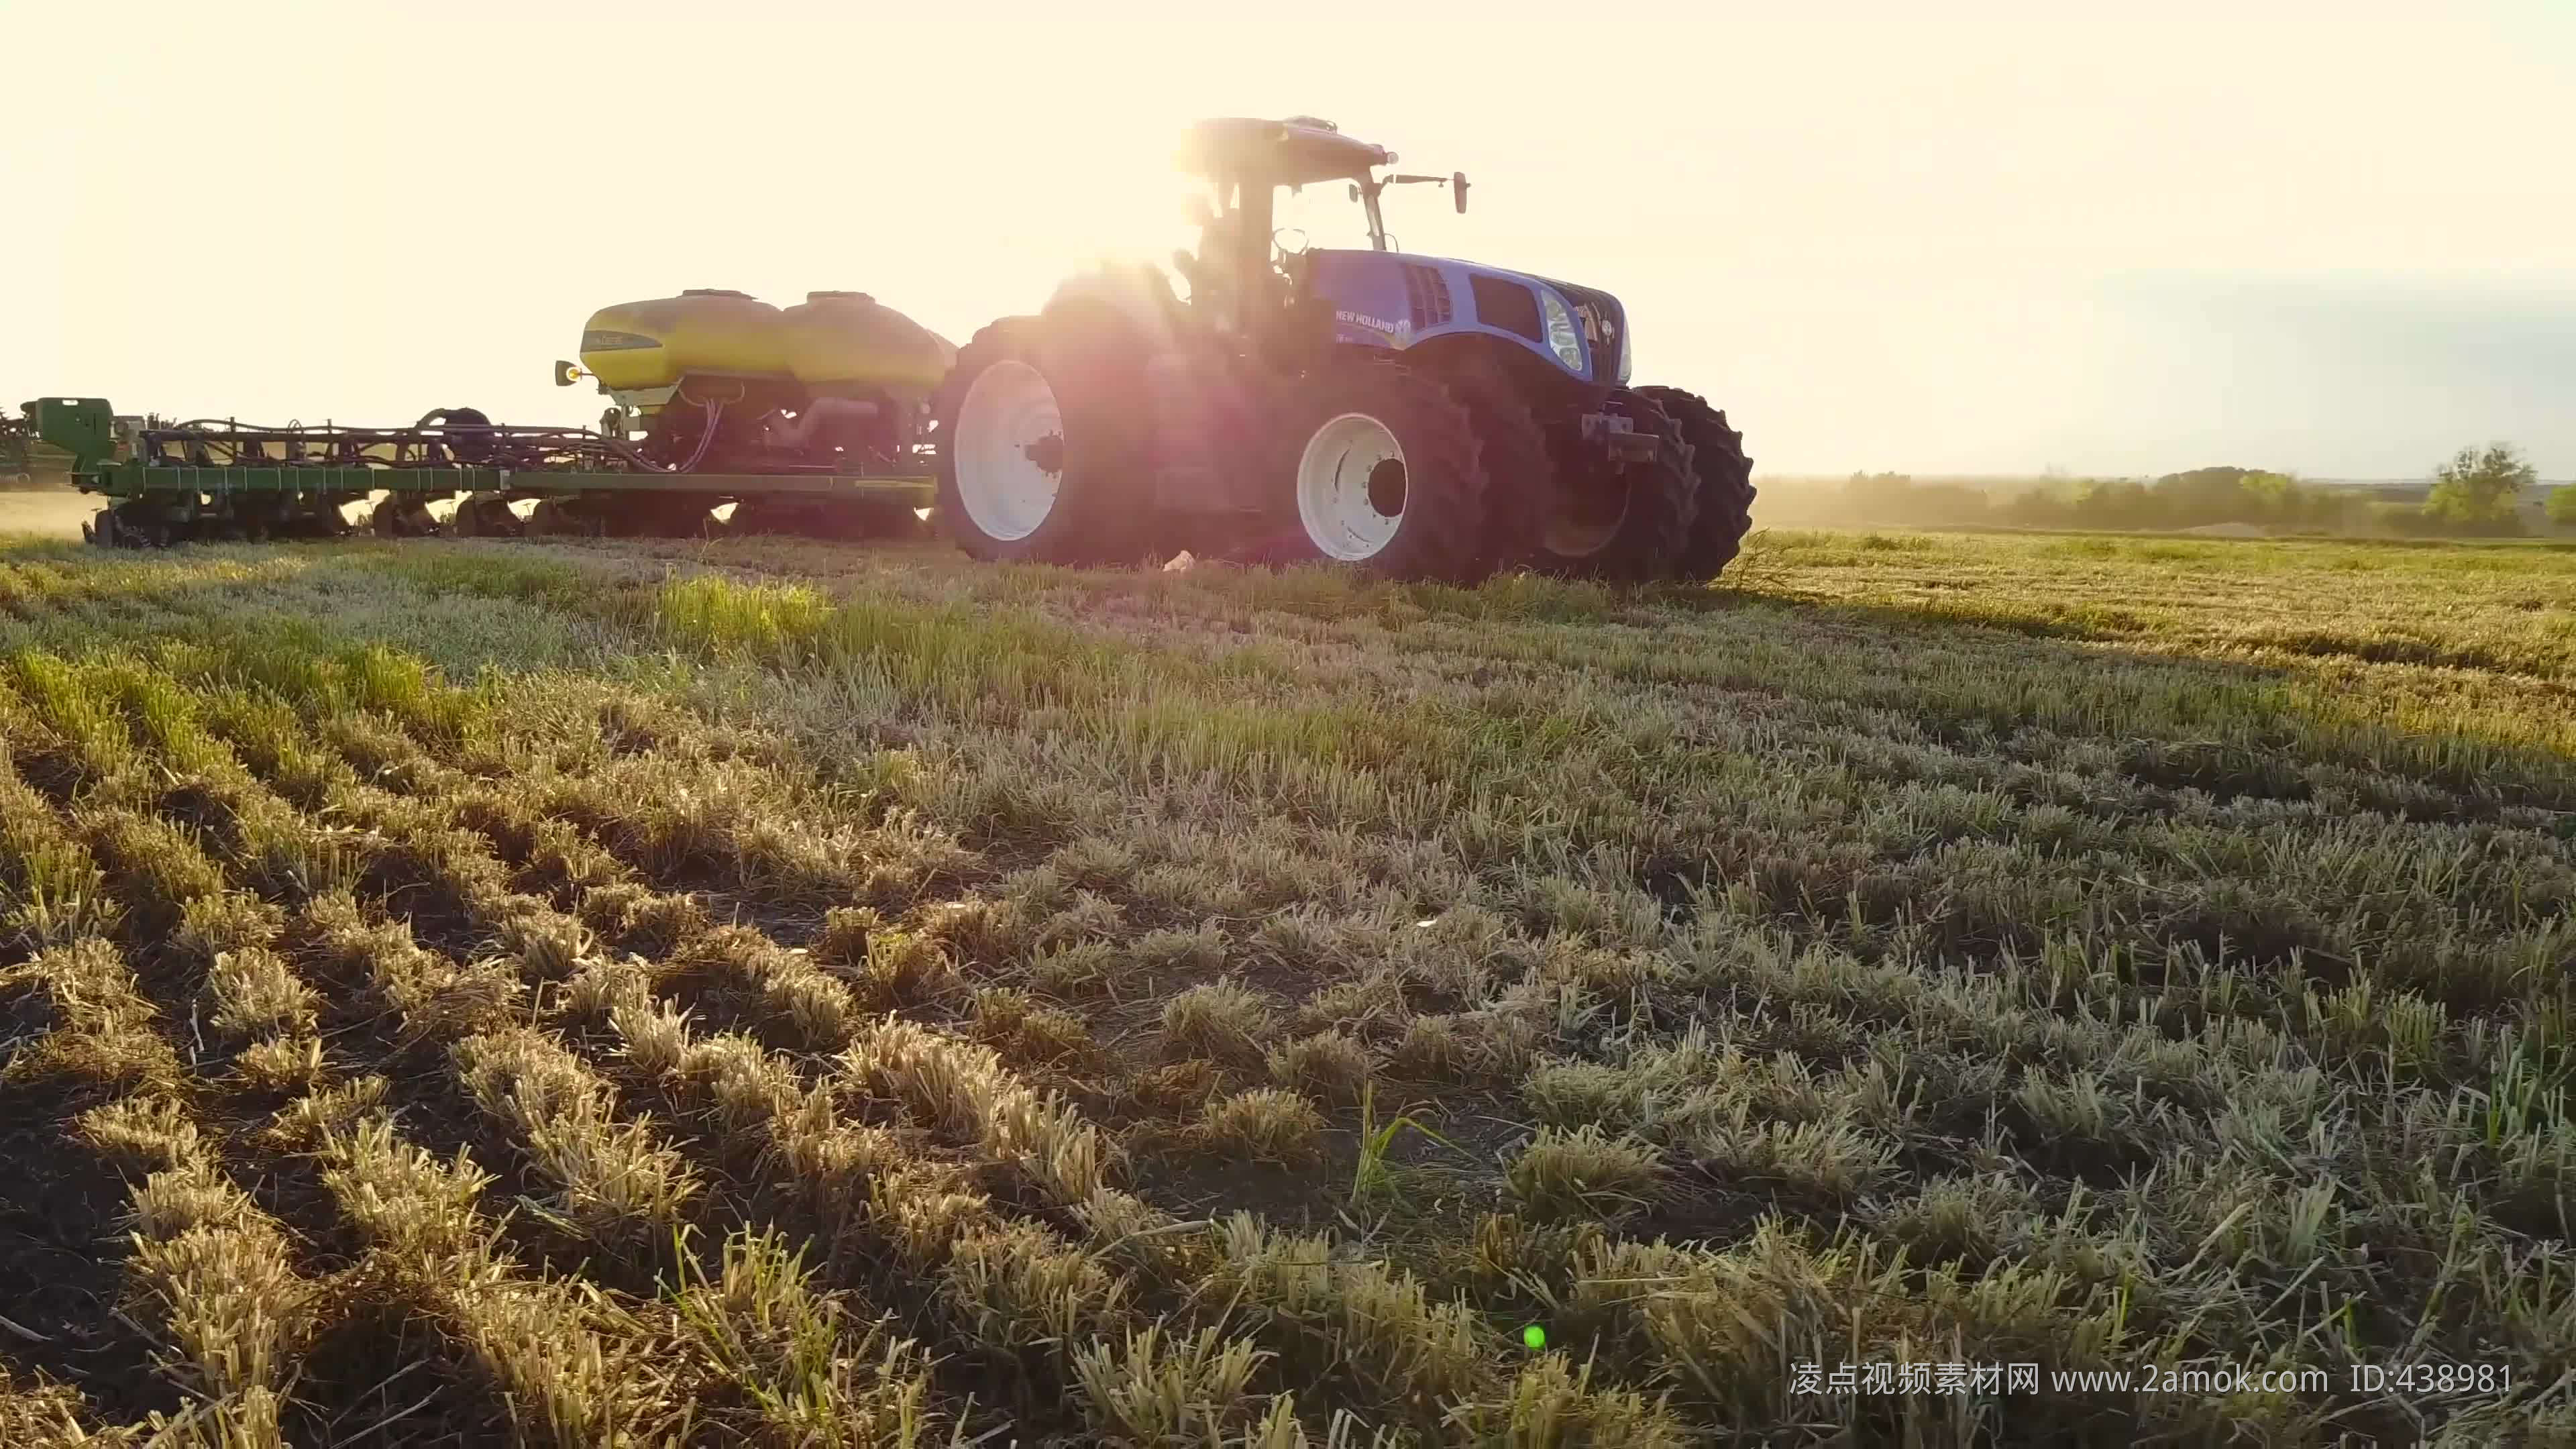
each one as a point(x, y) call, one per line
point(1041, 454)
point(1725, 483)
point(1388, 476)
point(1623, 522)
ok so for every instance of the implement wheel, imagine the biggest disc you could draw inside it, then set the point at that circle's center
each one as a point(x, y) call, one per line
point(322, 522)
point(563, 518)
point(650, 516)
point(840, 519)
point(891, 520)
point(485, 515)
point(402, 516)
point(131, 524)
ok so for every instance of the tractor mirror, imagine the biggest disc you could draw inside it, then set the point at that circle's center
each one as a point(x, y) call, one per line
point(1458, 189)
point(1355, 191)
point(567, 373)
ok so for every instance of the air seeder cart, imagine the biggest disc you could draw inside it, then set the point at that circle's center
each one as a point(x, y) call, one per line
point(809, 419)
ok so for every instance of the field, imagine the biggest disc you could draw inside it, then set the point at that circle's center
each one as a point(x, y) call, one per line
point(460, 992)
point(45, 513)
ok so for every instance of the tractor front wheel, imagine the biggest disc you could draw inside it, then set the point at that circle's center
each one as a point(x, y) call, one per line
point(1725, 483)
point(1388, 474)
point(1625, 522)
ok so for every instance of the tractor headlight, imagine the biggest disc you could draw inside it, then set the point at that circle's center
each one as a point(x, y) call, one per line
point(1561, 336)
point(1627, 338)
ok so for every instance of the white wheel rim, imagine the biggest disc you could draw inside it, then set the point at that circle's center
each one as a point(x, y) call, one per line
point(1002, 450)
point(1350, 468)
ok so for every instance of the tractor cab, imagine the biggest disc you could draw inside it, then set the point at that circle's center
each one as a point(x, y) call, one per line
point(1253, 277)
point(1243, 264)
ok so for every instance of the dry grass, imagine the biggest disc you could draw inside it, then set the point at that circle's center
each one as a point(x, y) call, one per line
point(1265, 1124)
point(754, 992)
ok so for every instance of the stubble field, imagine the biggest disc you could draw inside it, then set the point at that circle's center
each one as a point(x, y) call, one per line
point(463, 992)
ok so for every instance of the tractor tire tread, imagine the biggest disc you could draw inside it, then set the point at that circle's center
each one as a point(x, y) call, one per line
point(1662, 501)
point(1519, 473)
point(1726, 490)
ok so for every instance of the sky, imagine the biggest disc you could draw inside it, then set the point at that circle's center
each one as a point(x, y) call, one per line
point(2338, 240)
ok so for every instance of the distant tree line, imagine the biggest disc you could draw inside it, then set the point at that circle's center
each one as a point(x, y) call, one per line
point(2195, 499)
point(2475, 494)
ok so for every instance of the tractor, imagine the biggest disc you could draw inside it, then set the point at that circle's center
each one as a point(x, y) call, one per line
point(1412, 416)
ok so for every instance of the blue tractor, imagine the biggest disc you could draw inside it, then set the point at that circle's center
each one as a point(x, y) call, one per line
point(1409, 415)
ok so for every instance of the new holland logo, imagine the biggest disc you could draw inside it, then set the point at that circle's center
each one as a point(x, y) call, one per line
point(1375, 324)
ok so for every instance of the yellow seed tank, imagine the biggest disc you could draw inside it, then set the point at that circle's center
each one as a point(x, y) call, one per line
point(830, 342)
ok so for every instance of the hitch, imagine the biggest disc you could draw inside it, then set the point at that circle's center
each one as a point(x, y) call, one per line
point(1618, 436)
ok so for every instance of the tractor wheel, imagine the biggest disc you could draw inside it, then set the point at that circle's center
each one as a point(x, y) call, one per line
point(1520, 477)
point(1041, 452)
point(1388, 476)
point(1725, 483)
point(1626, 523)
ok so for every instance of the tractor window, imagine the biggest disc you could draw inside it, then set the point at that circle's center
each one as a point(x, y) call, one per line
point(1326, 214)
